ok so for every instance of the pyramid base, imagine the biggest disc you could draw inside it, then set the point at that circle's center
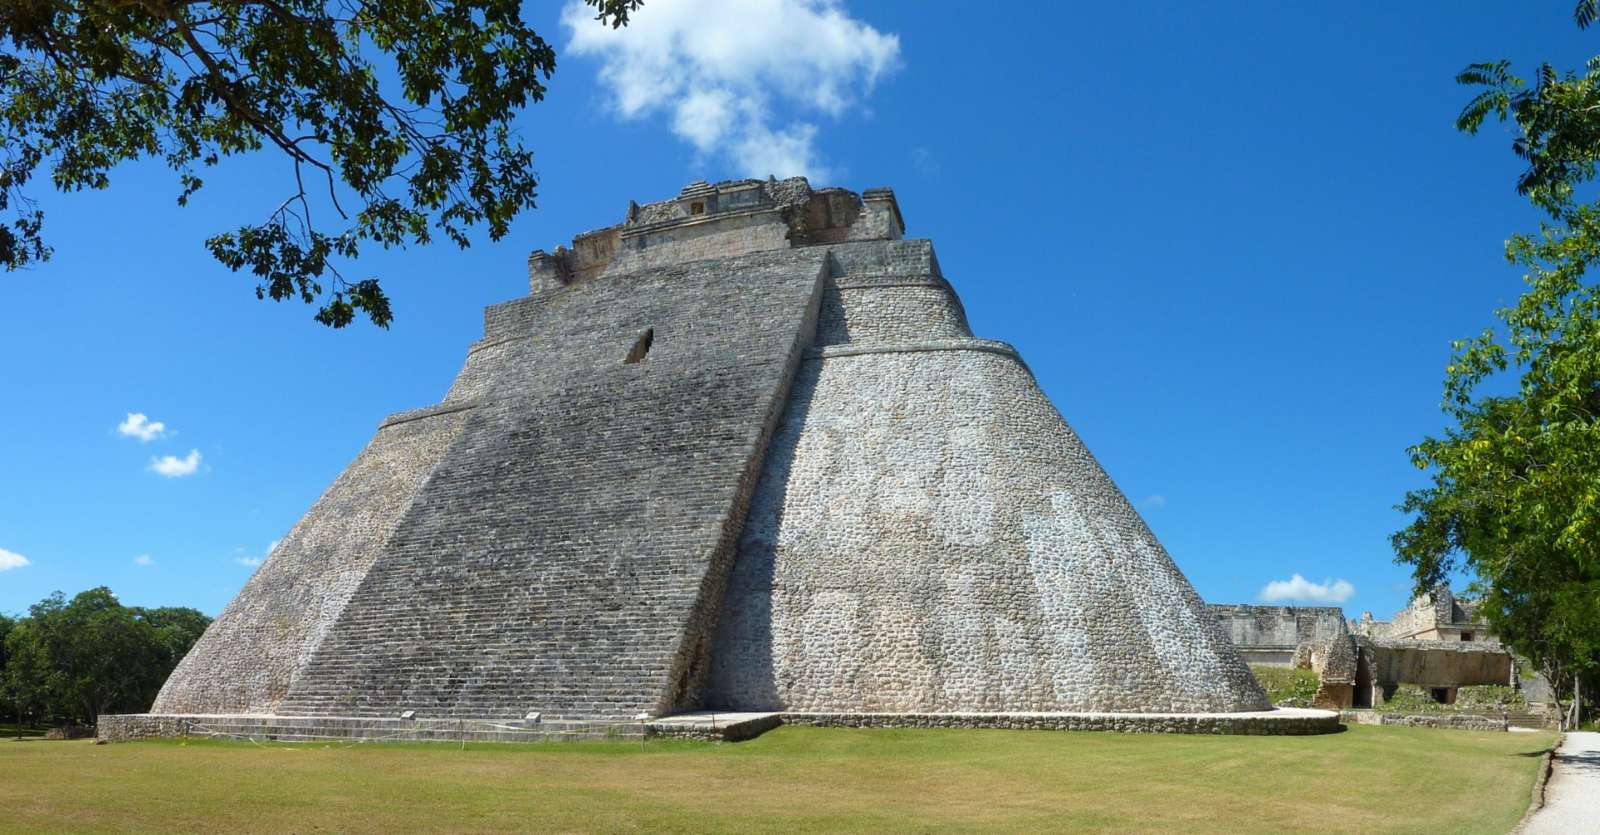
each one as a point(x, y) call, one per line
point(1278, 722)
point(706, 725)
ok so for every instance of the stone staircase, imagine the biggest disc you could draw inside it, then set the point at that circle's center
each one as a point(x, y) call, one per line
point(1530, 718)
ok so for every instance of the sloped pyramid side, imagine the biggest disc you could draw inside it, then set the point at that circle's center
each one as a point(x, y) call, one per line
point(554, 536)
point(252, 653)
point(568, 552)
point(929, 535)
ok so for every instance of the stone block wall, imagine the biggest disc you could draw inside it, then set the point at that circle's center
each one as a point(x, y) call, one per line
point(930, 535)
point(1273, 632)
point(566, 555)
point(1437, 663)
point(251, 656)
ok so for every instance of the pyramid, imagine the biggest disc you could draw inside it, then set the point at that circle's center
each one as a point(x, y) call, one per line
point(739, 452)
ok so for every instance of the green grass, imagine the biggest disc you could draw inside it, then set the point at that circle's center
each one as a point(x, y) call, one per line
point(1366, 780)
point(8, 730)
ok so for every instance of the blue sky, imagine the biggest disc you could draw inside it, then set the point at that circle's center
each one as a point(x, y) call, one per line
point(1233, 246)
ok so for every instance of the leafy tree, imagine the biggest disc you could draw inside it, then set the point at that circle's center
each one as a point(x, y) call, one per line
point(175, 630)
point(1515, 493)
point(393, 116)
point(29, 680)
point(9, 696)
point(91, 655)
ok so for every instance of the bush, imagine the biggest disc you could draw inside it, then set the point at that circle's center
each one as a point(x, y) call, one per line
point(1490, 698)
point(1484, 698)
point(1287, 686)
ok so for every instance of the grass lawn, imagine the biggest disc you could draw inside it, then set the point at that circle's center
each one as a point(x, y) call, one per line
point(1367, 780)
point(8, 730)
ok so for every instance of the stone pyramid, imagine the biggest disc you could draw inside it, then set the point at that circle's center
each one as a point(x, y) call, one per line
point(739, 452)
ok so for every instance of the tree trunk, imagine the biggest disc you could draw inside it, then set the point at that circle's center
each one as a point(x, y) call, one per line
point(1553, 676)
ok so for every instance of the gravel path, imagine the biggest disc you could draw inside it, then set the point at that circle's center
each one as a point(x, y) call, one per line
point(1572, 797)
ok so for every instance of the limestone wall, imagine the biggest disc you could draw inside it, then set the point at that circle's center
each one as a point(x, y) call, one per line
point(930, 535)
point(1438, 663)
point(1270, 634)
point(248, 659)
point(567, 555)
point(719, 221)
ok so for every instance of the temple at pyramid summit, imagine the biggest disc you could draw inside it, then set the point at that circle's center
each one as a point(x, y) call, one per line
point(737, 455)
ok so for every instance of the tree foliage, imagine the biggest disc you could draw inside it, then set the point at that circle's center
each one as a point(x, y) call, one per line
point(72, 660)
point(393, 116)
point(1515, 493)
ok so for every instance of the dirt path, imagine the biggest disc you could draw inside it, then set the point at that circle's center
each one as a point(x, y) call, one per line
point(1572, 798)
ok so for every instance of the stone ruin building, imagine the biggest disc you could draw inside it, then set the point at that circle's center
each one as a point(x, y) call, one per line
point(1437, 616)
point(1271, 634)
point(738, 453)
point(1436, 643)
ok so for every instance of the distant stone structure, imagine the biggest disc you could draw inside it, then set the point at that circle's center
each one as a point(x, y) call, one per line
point(1271, 634)
point(1436, 643)
point(739, 452)
point(1437, 616)
point(1441, 616)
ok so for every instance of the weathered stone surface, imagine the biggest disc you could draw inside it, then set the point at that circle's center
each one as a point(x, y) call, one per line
point(605, 515)
point(1452, 721)
point(567, 554)
point(273, 728)
point(1437, 663)
point(1279, 722)
point(1270, 634)
point(930, 535)
point(255, 650)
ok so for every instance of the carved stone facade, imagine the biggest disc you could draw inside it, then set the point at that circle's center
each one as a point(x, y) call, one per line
point(740, 451)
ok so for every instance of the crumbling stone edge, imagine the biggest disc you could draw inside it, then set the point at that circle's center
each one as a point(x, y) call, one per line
point(1536, 801)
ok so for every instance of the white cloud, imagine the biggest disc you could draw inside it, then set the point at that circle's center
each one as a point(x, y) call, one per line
point(138, 425)
point(172, 466)
point(252, 561)
point(143, 560)
point(1155, 502)
point(12, 559)
point(719, 69)
point(1299, 588)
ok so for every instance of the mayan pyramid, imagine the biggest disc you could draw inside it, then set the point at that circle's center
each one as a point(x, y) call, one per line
point(738, 452)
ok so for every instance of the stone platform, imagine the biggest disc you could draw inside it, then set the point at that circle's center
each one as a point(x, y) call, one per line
point(704, 725)
point(262, 728)
point(1452, 721)
point(1278, 722)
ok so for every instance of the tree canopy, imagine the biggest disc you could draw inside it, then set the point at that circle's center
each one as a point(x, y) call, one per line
point(393, 117)
point(72, 660)
point(1515, 493)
